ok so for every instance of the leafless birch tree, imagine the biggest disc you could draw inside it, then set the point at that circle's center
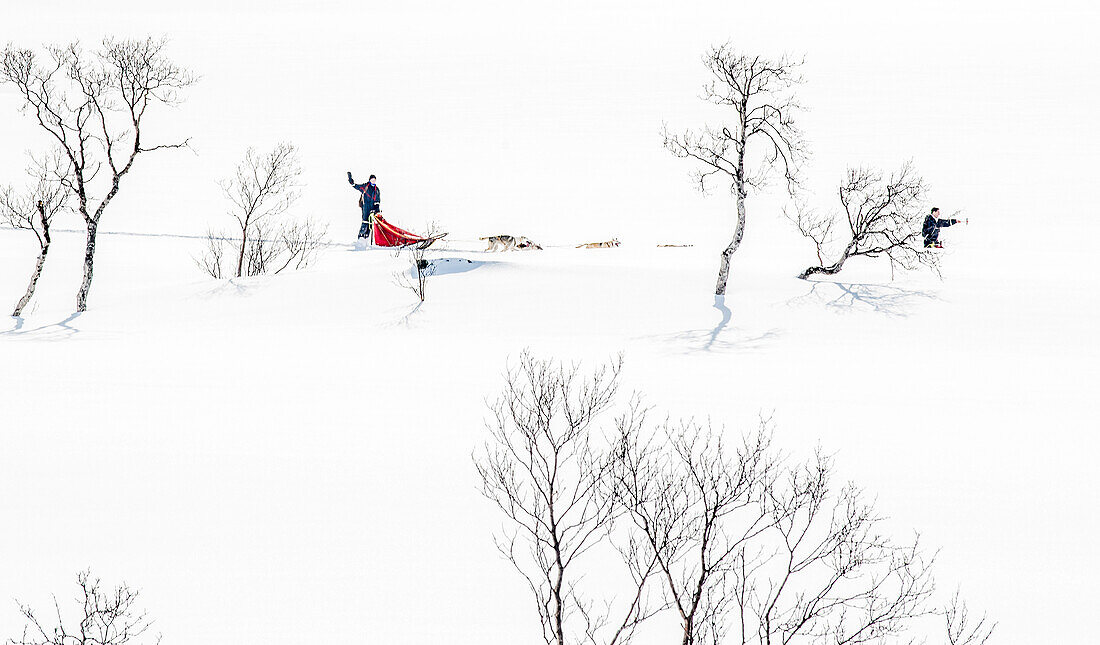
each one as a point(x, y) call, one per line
point(34, 211)
point(264, 187)
point(544, 469)
point(94, 106)
point(752, 551)
point(697, 506)
point(760, 138)
point(830, 576)
point(262, 190)
point(104, 617)
point(747, 547)
point(278, 246)
point(882, 217)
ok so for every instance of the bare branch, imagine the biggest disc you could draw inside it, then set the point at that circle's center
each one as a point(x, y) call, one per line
point(93, 106)
point(762, 137)
point(106, 617)
point(883, 218)
point(544, 470)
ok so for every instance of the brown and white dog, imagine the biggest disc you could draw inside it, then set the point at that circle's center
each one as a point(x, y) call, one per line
point(600, 245)
point(509, 243)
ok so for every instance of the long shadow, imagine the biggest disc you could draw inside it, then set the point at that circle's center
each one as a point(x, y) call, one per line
point(856, 296)
point(727, 315)
point(721, 338)
point(56, 331)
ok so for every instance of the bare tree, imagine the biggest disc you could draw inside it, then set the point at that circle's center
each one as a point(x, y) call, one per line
point(210, 261)
point(94, 106)
point(420, 268)
point(831, 577)
point(285, 245)
point(34, 211)
point(760, 553)
point(262, 191)
point(415, 278)
point(881, 218)
point(761, 138)
point(106, 617)
point(961, 630)
point(544, 469)
point(746, 547)
point(697, 507)
point(264, 187)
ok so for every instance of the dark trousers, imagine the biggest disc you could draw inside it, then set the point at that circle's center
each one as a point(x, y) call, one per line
point(932, 238)
point(368, 221)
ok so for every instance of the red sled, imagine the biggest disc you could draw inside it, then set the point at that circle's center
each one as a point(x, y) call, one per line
point(386, 234)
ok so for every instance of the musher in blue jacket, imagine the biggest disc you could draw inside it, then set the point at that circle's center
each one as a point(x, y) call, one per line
point(371, 202)
point(931, 228)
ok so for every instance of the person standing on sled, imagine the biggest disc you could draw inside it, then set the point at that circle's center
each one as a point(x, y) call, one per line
point(371, 202)
point(931, 228)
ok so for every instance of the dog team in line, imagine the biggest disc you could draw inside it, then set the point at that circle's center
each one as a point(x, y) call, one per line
point(370, 203)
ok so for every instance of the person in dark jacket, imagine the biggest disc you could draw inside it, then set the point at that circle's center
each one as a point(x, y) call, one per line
point(931, 228)
point(370, 200)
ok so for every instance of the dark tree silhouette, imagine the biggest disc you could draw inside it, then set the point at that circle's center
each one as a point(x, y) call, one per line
point(760, 139)
point(94, 106)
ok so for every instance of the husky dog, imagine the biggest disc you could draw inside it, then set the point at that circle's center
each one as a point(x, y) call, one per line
point(600, 245)
point(509, 243)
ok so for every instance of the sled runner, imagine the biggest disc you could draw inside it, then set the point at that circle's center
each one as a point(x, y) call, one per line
point(386, 234)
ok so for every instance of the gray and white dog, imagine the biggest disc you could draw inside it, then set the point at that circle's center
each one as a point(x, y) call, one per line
point(509, 243)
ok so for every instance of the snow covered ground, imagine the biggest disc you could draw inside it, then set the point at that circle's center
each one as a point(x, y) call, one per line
point(287, 459)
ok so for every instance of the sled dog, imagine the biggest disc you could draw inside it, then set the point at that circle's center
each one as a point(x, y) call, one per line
point(509, 243)
point(600, 245)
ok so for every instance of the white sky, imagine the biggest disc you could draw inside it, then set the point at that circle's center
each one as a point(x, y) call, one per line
point(494, 117)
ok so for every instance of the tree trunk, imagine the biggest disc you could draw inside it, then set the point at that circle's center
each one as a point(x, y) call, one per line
point(44, 249)
point(738, 233)
point(559, 606)
point(833, 268)
point(89, 258)
point(829, 270)
point(240, 257)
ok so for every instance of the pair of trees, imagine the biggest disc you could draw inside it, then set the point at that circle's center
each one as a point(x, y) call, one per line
point(731, 538)
point(882, 214)
point(93, 106)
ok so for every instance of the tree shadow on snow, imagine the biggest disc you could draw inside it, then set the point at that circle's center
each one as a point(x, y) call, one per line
point(405, 320)
point(722, 338)
point(230, 286)
point(61, 330)
point(855, 296)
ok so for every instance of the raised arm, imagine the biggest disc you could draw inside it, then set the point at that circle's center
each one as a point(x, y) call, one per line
point(354, 185)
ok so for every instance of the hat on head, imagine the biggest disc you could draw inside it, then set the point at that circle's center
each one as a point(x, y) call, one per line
point(371, 177)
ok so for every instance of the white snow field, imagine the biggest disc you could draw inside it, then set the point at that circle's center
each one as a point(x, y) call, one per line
point(288, 459)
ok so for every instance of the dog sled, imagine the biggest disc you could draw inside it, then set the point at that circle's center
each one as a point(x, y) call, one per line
point(386, 234)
